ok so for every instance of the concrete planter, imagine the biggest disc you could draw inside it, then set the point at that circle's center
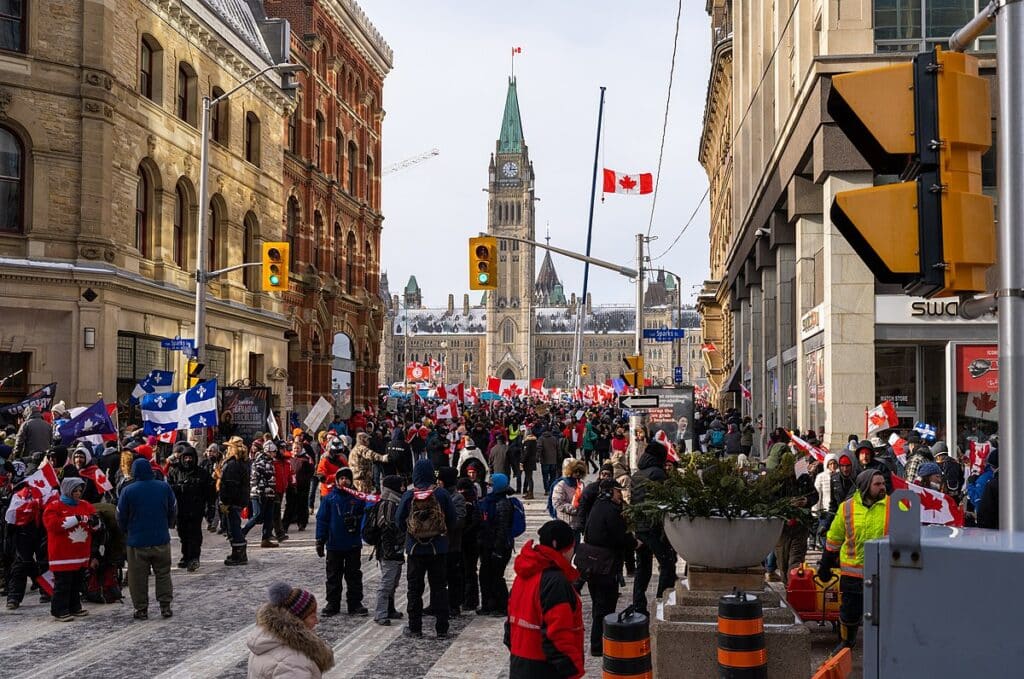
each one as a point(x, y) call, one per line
point(723, 543)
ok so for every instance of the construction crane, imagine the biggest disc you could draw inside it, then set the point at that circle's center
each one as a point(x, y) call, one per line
point(409, 162)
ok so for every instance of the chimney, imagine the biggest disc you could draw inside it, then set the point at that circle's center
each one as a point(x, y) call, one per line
point(394, 302)
point(589, 295)
point(451, 304)
point(572, 303)
point(465, 304)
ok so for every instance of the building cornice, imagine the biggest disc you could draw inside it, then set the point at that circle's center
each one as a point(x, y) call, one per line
point(362, 34)
point(722, 49)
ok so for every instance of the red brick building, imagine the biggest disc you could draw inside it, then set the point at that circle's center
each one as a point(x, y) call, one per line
point(332, 172)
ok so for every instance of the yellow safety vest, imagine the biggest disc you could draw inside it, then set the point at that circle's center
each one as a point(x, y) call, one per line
point(854, 525)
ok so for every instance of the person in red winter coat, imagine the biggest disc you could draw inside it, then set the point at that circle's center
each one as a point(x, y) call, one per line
point(544, 629)
point(70, 522)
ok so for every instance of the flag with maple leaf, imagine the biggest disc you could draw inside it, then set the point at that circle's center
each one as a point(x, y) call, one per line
point(708, 347)
point(936, 507)
point(745, 392)
point(977, 456)
point(638, 183)
point(806, 447)
point(882, 416)
point(98, 478)
point(983, 405)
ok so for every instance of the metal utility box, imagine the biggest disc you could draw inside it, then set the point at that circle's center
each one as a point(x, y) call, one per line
point(942, 602)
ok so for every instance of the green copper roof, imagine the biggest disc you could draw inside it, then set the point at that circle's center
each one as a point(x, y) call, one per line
point(412, 285)
point(511, 139)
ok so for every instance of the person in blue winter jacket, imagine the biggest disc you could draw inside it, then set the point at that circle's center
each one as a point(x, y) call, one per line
point(424, 515)
point(338, 524)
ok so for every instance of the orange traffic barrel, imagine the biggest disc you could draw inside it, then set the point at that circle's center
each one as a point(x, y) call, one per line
point(627, 646)
point(741, 653)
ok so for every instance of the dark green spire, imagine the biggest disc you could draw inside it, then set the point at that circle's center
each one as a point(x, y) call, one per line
point(511, 139)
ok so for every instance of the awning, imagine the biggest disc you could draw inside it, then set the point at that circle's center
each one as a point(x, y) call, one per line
point(732, 383)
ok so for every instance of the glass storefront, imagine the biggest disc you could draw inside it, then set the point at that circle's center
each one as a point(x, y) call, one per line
point(789, 394)
point(814, 365)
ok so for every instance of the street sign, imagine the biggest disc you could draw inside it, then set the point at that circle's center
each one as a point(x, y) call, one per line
point(664, 334)
point(638, 402)
point(178, 344)
point(677, 374)
point(288, 402)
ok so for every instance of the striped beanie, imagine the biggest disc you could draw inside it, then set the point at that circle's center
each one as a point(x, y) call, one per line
point(298, 602)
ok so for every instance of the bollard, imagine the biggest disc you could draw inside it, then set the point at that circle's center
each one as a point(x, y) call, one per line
point(627, 645)
point(741, 653)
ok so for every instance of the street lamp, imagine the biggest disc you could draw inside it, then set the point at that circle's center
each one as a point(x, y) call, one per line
point(203, 276)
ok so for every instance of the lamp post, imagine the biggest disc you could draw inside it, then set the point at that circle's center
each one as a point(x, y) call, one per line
point(202, 275)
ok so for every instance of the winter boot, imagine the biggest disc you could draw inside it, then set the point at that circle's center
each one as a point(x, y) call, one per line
point(237, 556)
point(267, 543)
point(847, 637)
point(242, 557)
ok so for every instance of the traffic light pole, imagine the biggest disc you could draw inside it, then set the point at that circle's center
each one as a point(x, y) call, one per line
point(1010, 140)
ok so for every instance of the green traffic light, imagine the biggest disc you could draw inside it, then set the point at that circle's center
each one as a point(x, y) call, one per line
point(275, 280)
point(483, 278)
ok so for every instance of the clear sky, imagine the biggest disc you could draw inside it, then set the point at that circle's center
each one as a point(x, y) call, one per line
point(447, 90)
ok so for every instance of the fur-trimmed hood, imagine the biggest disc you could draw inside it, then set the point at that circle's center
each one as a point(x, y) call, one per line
point(279, 631)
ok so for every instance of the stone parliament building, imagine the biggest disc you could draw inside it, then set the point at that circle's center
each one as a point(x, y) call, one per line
point(525, 328)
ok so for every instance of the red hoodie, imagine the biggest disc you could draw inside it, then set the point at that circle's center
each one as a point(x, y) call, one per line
point(68, 548)
point(544, 631)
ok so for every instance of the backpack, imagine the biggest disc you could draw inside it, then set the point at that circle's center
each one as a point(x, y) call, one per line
point(426, 518)
point(372, 529)
point(518, 518)
point(717, 437)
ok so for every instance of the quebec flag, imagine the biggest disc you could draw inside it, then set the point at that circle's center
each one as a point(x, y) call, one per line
point(192, 409)
point(157, 381)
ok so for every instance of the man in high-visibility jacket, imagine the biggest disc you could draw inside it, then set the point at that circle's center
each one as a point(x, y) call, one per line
point(864, 516)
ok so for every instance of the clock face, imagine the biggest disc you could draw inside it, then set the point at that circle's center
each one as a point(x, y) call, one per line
point(510, 169)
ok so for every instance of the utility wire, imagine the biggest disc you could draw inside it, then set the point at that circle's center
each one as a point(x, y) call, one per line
point(685, 226)
point(664, 122)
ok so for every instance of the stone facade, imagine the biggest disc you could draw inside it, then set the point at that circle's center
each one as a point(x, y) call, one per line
point(102, 102)
point(794, 308)
point(332, 180)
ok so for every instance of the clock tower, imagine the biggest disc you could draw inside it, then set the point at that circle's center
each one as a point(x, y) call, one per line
point(510, 314)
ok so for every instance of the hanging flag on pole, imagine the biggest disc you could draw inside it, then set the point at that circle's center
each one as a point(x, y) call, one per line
point(157, 381)
point(882, 416)
point(638, 183)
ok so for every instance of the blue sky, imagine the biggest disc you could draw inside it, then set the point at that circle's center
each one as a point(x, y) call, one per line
point(447, 90)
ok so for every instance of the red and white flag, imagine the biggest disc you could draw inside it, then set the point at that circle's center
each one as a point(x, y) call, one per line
point(936, 507)
point(882, 416)
point(509, 388)
point(983, 405)
point(661, 437)
point(636, 183)
point(708, 347)
point(745, 392)
point(168, 436)
point(806, 447)
point(43, 480)
point(472, 395)
point(978, 457)
point(446, 411)
point(455, 392)
point(45, 582)
point(98, 478)
point(537, 388)
point(25, 508)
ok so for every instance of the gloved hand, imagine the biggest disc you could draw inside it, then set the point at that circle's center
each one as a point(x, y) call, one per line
point(826, 565)
point(320, 549)
point(70, 522)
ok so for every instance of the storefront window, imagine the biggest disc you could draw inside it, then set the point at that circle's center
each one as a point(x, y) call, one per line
point(772, 416)
point(933, 378)
point(896, 376)
point(789, 394)
point(815, 374)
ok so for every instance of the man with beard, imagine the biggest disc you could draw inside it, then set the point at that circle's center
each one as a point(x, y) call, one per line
point(861, 518)
point(193, 490)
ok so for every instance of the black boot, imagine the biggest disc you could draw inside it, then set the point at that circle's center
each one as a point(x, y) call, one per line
point(847, 637)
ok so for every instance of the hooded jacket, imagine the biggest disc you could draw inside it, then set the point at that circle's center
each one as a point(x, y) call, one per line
point(544, 629)
point(34, 436)
point(192, 485)
point(282, 646)
point(262, 484)
point(234, 479)
point(146, 509)
point(423, 479)
point(854, 525)
point(68, 534)
point(338, 521)
point(650, 469)
point(361, 462)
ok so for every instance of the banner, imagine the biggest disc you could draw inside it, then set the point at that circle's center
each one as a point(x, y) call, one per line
point(417, 372)
point(317, 413)
point(248, 407)
point(977, 367)
point(41, 398)
point(673, 416)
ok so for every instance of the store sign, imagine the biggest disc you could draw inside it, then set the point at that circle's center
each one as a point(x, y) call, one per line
point(812, 322)
point(900, 309)
point(977, 367)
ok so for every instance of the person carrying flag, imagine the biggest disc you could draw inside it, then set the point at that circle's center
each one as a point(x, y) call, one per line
point(70, 522)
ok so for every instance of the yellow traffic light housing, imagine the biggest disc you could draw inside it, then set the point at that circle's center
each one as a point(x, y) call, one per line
point(275, 266)
point(634, 375)
point(483, 263)
point(933, 232)
point(584, 369)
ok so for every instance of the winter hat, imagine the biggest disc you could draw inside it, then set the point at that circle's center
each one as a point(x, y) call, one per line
point(832, 457)
point(270, 447)
point(607, 467)
point(393, 482)
point(59, 409)
point(344, 471)
point(556, 534)
point(865, 445)
point(145, 451)
point(940, 448)
point(914, 437)
point(864, 480)
point(68, 485)
point(296, 432)
point(298, 602)
point(499, 482)
point(657, 451)
point(927, 469)
point(846, 457)
point(448, 476)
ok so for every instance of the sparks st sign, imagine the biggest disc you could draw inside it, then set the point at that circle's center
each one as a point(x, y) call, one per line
point(664, 334)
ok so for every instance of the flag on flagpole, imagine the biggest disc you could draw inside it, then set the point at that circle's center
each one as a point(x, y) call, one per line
point(882, 416)
point(927, 431)
point(192, 409)
point(98, 478)
point(157, 381)
point(936, 507)
point(708, 347)
point(41, 398)
point(92, 421)
point(803, 445)
point(638, 183)
point(745, 392)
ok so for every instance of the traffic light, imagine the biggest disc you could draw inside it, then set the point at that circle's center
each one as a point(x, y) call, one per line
point(193, 371)
point(275, 266)
point(634, 376)
point(483, 263)
point(934, 231)
point(584, 370)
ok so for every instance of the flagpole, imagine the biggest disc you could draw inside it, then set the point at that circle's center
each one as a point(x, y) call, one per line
point(590, 233)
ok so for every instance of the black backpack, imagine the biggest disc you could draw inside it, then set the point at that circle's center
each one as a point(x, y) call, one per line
point(372, 529)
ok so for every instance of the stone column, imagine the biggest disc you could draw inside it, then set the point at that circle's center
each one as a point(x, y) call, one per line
point(756, 353)
point(849, 324)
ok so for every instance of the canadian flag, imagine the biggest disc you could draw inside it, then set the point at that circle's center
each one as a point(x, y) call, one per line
point(455, 392)
point(446, 411)
point(24, 508)
point(708, 347)
point(99, 479)
point(978, 457)
point(637, 183)
point(745, 392)
point(472, 396)
point(983, 405)
point(509, 388)
point(936, 506)
point(435, 366)
point(168, 436)
point(882, 416)
point(803, 445)
point(537, 387)
point(43, 480)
